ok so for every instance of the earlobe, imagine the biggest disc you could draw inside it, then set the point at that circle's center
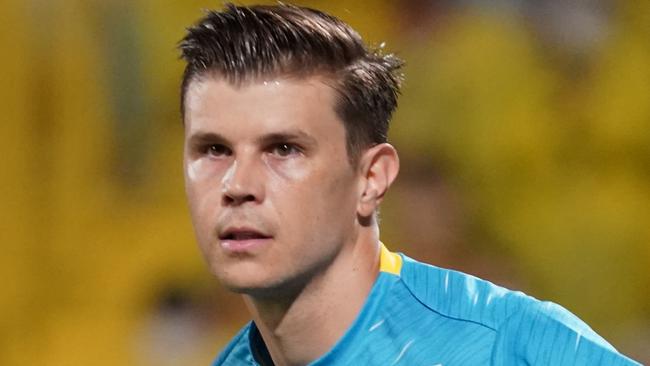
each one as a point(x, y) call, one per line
point(379, 166)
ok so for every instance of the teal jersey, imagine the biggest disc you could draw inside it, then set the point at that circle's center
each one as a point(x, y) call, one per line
point(418, 314)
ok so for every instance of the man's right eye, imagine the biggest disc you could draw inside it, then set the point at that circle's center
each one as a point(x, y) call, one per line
point(218, 150)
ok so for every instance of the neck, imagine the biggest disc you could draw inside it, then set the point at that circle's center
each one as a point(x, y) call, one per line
point(301, 328)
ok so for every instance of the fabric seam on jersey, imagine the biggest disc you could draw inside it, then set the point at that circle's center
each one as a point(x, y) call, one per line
point(438, 311)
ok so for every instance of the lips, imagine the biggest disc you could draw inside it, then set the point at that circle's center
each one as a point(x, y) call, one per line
point(243, 240)
point(242, 234)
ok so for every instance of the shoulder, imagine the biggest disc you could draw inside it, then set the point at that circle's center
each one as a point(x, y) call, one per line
point(462, 296)
point(237, 351)
point(545, 333)
point(525, 329)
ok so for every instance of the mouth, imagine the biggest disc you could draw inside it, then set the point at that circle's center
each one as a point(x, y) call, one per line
point(240, 240)
point(242, 234)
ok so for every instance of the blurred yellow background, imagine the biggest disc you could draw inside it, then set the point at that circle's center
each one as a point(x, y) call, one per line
point(524, 132)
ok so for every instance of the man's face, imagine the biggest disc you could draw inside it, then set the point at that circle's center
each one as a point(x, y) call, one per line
point(272, 195)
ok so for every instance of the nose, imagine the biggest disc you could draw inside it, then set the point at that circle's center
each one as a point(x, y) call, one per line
point(242, 184)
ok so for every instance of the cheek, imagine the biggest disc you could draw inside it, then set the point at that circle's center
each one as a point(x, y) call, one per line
point(290, 171)
point(202, 186)
point(199, 170)
point(321, 195)
point(290, 185)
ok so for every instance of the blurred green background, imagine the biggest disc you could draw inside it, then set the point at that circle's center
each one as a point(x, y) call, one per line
point(524, 132)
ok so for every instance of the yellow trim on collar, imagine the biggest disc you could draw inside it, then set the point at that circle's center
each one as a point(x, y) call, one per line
point(388, 261)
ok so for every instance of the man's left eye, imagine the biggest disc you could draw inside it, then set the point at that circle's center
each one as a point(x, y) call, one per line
point(285, 149)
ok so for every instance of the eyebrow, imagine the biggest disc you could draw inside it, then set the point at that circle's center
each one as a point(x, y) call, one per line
point(200, 138)
point(287, 136)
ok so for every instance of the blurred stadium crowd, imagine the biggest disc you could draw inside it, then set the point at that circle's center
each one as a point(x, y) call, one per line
point(523, 128)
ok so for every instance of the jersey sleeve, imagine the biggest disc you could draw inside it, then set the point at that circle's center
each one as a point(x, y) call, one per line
point(548, 334)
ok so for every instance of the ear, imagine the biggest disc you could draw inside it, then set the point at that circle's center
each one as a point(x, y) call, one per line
point(378, 166)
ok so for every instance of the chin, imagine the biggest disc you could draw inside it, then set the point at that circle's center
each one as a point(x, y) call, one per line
point(262, 288)
point(257, 290)
point(243, 284)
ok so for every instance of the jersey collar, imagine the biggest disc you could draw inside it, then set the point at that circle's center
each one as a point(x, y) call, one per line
point(388, 261)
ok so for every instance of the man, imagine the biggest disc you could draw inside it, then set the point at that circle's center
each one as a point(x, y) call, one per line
point(286, 113)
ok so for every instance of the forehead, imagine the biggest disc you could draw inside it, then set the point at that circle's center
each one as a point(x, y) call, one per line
point(308, 103)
